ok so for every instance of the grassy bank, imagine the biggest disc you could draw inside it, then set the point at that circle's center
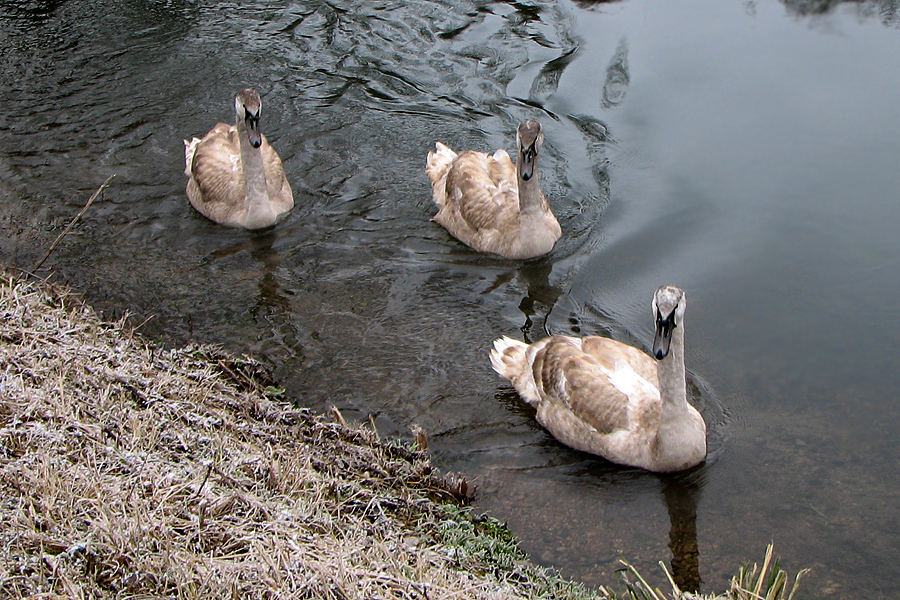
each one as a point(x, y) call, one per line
point(131, 471)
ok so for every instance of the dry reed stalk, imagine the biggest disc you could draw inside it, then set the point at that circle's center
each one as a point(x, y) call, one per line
point(87, 205)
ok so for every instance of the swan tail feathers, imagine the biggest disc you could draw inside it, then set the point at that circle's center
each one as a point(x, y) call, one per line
point(510, 359)
point(190, 148)
point(439, 161)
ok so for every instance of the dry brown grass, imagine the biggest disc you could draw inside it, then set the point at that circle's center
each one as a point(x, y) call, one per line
point(129, 471)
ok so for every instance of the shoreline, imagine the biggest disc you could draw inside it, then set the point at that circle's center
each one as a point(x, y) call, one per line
point(130, 470)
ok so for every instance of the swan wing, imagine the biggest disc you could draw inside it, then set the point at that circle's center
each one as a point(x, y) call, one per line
point(481, 199)
point(603, 391)
point(280, 194)
point(502, 169)
point(570, 380)
point(216, 186)
point(610, 352)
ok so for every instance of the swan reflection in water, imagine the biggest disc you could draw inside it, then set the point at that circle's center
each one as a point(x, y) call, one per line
point(680, 492)
point(284, 341)
point(539, 299)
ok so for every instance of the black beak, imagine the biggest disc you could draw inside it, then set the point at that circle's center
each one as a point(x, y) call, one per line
point(253, 128)
point(663, 337)
point(526, 169)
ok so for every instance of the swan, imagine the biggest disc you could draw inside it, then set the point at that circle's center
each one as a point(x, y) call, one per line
point(235, 177)
point(607, 398)
point(489, 203)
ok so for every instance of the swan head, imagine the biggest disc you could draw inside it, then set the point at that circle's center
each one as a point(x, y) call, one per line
point(529, 139)
point(668, 312)
point(247, 108)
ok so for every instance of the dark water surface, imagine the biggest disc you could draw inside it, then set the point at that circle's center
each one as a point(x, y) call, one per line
point(746, 151)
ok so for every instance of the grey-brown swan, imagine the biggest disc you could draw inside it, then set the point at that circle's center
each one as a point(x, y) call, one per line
point(235, 177)
point(491, 204)
point(607, 398)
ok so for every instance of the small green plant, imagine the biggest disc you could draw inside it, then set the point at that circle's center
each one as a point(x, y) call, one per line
point(274, 392)
point(485, 545)
point(481, 539)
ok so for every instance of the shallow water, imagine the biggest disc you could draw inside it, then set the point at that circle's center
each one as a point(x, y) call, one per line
point(744, 151)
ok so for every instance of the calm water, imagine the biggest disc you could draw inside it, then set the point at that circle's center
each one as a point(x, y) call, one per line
point(746, 151)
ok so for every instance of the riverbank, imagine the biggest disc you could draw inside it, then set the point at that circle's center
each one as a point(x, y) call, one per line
point(132, 471)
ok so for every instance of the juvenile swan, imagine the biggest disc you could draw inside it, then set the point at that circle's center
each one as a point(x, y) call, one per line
point(604, 397)
point(235, 177)
point(489, 203)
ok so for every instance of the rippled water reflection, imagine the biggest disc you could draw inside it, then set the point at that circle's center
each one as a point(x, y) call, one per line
point(746, 152)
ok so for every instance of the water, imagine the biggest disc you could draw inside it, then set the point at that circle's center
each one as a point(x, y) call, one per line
point(744, 151)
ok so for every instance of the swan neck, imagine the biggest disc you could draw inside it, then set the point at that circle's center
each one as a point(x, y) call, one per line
point(256, 189)
point(672, 383)
point(530, 196)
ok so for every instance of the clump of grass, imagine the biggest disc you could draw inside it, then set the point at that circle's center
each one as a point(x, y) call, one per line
point(753, 583)
point(487, 546)
point(768, 582)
